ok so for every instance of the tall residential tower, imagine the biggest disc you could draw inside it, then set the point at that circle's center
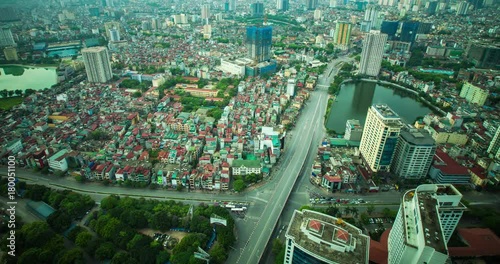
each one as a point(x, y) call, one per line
point(372, 54)
point(258, 41)
point(414, 153)
point(426, 219)
point(97, 64)
point(342, 35)
point(380, 136)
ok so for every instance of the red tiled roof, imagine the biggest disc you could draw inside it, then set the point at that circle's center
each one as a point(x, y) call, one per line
point(480, 172)
point(342, 235)
point(332, 178)
point(451, 167)
point(316, 225)
point(481, 241)
point(378, 250)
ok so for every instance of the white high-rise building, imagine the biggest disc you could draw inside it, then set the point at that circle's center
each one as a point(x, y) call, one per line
point(372, 54)
point(426, 219)
point(371, 15)
point(114, 35)
point(494, 147)
point(207, 31)
point(474, 93)
point(97, 64)
point(317, 14)
point(463, 8)
point(414, 153)
point(232, 5)
point(290, 87)
point(380, 136)
point(6, 38)
point(205, 12)
point(314, 237)
point(353, 130)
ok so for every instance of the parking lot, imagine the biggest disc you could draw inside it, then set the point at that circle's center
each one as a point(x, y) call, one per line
point(333, 200)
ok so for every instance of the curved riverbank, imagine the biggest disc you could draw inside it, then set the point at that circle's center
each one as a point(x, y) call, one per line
point(355, 98)
point(429, 104)
point(31, 65)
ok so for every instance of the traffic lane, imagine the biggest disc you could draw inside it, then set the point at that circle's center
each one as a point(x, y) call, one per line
point(265, 226)
point(99, 191)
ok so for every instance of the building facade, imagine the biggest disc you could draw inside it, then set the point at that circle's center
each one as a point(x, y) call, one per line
point(380, 136)
point(205, 11)
point(372, 54)
point(342, 35)
point(283, 5)
point(426, 219)
point(114, 35)
point(494, 147)
point(6, 38)
point(258, 42)
point(414, 154)
point(311, 4)
point(409, 31)
point(57, 162)
point(257, 9)
point(353, 130)
point(314, 237)
point(445, 169)
point(97, 64)
point(474, 94)
point(10, 54)
point(484, 55)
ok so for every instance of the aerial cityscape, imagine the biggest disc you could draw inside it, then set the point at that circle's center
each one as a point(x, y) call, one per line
point(250, 131)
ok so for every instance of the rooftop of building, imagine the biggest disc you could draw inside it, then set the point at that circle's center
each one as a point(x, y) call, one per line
point(479, 241)
point(94, 49)
point(59, 155)
point(385, 111)
point(431, 228)
point(418, 137)
point(448, 165)
point(326, 236)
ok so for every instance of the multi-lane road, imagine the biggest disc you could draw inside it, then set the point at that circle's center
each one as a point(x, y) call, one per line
point(308, 132)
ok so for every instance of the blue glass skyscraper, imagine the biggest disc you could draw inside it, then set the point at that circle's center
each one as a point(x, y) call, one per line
point(258, 41)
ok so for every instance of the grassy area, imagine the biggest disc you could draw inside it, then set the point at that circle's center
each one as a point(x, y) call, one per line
point(8, 103)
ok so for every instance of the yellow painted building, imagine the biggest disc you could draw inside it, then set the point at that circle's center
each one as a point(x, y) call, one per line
point(477, 177)
point(447, 137)
point(10, 54)
point(342, 34)
point(474, 94)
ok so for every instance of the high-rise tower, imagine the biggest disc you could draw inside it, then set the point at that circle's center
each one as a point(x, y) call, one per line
point(311, 4)
point(426, 219)
point(314, 237)
point(282, 5)
point(205, 12)
point(380, 136)
point(6, 38)
point(258, 41)
point(494, 147)
point(97, 64)
point(342, 35)
point(414, 153)
point(257, 9)
point(372, 54)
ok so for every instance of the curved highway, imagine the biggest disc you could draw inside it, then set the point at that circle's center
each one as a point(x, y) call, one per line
point(309, 123)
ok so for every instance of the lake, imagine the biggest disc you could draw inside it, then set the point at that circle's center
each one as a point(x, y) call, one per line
point(19, 77)
point(354, 99)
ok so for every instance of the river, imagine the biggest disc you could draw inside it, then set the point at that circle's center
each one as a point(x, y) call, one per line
point(354, 99)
